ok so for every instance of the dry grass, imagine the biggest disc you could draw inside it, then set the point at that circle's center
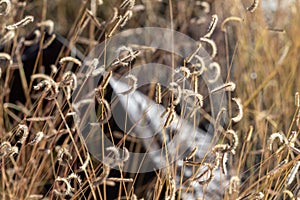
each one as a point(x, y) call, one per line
point(255, 151)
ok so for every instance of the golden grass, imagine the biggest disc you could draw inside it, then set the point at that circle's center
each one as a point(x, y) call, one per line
point(42, 154)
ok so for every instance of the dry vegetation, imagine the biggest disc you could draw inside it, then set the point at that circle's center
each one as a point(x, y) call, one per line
point(256, 52)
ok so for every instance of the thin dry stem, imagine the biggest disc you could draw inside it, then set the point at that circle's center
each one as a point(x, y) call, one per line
point(292, 174)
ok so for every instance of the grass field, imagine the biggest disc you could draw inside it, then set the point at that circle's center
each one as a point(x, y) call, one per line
point(254, 148)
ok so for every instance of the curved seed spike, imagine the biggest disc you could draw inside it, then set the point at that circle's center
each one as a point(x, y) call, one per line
point(228, 19)
point(212, 26)
point(239, 116)
point(21, 23)
point(212, 44)
point(254, 6)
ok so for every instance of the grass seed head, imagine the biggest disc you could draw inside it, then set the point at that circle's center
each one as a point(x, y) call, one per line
point(21, 23)
point(239, 116)
point(158, 98)
point(228, 19)
point(205, 5)
point(176, 89)
point(70, 59)
point(229, 87)
point(63, 155)
point(39, 136)
point(212, 44)
point(22, 130)
point(212, 26)
point(49, 24)
point(63, 192)
point(36, 39)
point(103, 177)
point(274, 136)
point(254, 6)
point(7, 9)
